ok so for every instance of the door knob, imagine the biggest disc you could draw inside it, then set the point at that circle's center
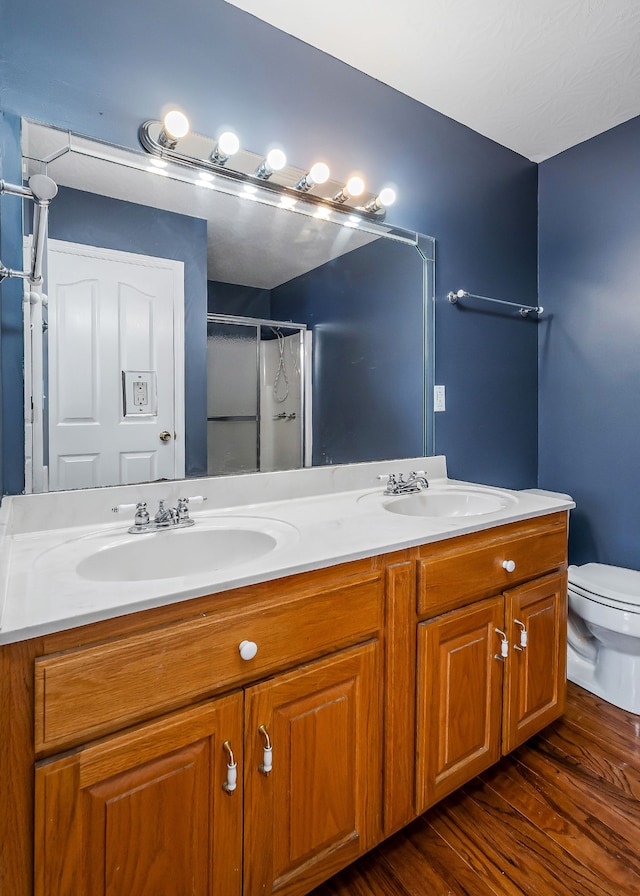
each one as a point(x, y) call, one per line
point(165, 436)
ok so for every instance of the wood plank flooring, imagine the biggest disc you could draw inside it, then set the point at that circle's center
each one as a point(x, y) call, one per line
point(560, 815)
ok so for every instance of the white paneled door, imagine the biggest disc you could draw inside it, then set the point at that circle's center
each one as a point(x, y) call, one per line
point(115, 367)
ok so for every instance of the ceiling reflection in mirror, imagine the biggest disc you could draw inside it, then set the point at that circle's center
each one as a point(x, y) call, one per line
point(198, 328)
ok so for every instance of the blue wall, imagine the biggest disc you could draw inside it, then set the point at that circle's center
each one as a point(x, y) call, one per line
point(589, 376)
point(364, 310)
point(240, 301)
point(103, 70)
point(12, 337)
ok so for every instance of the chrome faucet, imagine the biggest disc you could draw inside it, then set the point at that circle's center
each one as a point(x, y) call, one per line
point(164, 517)
point(398, 485)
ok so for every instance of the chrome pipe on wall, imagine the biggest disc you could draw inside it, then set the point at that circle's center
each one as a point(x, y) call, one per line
point(42, 189)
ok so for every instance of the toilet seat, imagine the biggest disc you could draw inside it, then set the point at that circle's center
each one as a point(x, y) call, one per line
point(611, 586)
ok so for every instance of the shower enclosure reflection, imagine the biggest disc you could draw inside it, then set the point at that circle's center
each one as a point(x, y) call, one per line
point(257, 394)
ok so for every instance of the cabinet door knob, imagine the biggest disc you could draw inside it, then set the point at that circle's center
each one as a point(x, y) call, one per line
point(267, 752)
point(232, 770)
point(509, 565)
point(248, 649)
point(504, 646)
point(524, 635)
point(165, 436)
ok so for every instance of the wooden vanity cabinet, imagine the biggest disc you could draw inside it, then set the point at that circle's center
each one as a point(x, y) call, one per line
point(459, 705)
point(375, 686)
point(320, 806)
point(535, 676)
point(483, 686)
point(143, 810)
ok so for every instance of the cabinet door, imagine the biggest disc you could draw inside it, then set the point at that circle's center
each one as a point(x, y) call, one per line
point(459, 698)
point(319, 807)
point(535, 683)
point(144, 812)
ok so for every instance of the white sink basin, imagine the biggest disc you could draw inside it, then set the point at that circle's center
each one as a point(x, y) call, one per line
point(449, 503)
point(212, 544)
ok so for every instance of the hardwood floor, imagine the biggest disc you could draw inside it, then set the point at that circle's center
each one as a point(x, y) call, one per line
point(560, 815)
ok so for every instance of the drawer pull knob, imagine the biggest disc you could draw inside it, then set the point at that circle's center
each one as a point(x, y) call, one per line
point(232, 770)
point(267, 752)
point(248, 649)
point(504, 646)
point(524, 636)
point(509, 565)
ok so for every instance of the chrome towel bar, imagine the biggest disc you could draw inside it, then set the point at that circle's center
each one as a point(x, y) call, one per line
point(523, 309)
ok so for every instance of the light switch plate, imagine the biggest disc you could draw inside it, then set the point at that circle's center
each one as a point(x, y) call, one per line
point(439, 403)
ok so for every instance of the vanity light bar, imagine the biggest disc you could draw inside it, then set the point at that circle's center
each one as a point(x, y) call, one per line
point(172, 140)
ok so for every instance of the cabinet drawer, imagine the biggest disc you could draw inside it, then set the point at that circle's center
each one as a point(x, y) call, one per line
point(91, 691)
point(470, 568)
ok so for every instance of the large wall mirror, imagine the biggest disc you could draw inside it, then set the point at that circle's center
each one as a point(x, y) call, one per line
point(191, 327)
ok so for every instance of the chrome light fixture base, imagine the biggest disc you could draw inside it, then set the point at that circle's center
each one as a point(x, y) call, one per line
point(195, 151)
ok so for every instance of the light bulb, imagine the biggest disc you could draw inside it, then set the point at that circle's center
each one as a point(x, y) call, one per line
point(319, 173)
point(355, 186)
point(387, 196)
point(176, 124)
point(276, 159)
point(229, 143)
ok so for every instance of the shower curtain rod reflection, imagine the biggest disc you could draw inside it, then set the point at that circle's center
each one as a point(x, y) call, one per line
point(524, 310)
point(253, 321)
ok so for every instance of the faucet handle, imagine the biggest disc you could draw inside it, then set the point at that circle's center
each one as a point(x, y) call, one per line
point(142, 514)
point(182, 509)
point(120, 508)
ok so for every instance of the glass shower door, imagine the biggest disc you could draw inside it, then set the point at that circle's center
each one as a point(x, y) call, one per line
point(233, 398)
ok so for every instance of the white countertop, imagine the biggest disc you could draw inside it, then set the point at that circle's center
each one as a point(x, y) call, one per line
point(318, 517)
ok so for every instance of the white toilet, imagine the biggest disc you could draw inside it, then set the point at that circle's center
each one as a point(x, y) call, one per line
point(603, 653)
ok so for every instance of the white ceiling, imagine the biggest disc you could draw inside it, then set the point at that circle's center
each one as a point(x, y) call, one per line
point(537, 76)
